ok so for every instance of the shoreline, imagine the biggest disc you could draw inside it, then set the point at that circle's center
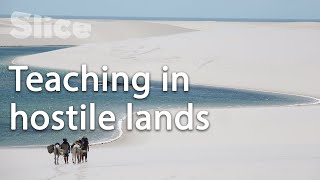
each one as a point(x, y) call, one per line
point(122, 120)
point(316, 99)
point(37, 46)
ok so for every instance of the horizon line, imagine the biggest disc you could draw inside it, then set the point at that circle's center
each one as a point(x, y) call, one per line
point(178, 18)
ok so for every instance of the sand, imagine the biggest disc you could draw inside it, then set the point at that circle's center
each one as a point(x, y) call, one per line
point(242, 143)
point(101, 31)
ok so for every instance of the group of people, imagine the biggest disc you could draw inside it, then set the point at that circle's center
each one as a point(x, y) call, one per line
point(79, 150)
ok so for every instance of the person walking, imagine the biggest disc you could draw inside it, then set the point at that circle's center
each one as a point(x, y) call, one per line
point(66, 150)
point(84, 149)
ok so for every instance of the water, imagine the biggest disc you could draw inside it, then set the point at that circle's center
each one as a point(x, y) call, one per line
point(112, 101)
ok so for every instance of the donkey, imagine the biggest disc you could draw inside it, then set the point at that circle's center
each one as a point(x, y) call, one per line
point(56, 153)
point(76, 152)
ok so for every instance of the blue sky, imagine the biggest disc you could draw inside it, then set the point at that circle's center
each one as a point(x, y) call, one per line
point(262, 9)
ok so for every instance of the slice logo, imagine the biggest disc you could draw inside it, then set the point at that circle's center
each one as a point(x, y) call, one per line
point(27, 25)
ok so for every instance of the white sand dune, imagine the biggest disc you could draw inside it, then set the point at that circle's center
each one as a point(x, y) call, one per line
point(242, 143)
point(231, 53)
point(101, 31)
